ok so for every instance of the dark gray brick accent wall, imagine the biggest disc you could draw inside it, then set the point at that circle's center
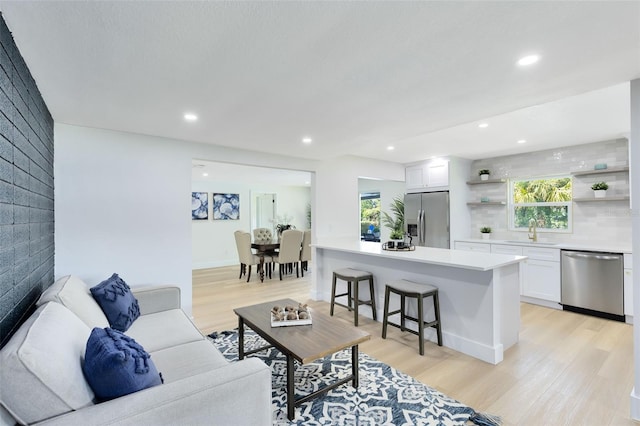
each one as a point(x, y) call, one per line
point(26, 189)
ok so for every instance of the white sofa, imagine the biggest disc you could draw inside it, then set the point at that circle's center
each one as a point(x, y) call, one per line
point(41, 378)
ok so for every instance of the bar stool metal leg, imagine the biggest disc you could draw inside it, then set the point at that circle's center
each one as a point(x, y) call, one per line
point(356, 302)
point(436, 306)
point(385, 314)
point(373, 299)
point(333, 294)
point(420, 325)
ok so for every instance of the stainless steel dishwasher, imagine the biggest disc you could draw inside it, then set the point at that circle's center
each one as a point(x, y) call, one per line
point(592, 283)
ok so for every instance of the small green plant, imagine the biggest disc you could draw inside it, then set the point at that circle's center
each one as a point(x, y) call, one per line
point(396, 235)
point(484, 172)
point(599, 186)
point(485, 230)
point(395, 223)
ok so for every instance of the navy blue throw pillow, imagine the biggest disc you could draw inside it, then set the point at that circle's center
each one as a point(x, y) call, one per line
point(116, 365)
point(117, 302)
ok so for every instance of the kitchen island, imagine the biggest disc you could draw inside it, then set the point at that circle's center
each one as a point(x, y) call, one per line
point(479, 292)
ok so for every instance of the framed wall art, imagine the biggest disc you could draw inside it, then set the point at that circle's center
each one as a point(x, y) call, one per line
point(226, 206)
point(199, 206)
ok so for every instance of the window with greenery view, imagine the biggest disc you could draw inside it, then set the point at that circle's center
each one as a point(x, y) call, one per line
point(545, 200)
point(370, 216)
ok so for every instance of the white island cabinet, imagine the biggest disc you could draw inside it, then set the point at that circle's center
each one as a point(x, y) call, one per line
point(479, 292)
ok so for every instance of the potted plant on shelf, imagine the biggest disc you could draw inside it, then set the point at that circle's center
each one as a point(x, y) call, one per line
point(395, 221)
point(600, 189)
point(486, 232)
point(484, 174)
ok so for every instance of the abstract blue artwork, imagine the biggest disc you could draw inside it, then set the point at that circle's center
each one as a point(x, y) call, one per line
point(226, 206)
point(199, 206)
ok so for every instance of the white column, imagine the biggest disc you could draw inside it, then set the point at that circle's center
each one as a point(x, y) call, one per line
point(634, 164)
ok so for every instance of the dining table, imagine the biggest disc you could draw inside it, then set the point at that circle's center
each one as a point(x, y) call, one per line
point(262, 248)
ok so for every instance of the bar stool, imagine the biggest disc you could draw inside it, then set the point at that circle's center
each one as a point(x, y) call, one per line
point(353, 276)
point(405, 288)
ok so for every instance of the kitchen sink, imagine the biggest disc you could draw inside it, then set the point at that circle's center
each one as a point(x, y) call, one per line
point(537, 243)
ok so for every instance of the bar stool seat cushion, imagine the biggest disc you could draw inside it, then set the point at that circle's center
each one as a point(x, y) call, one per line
point(352, 273)
point(406, 286)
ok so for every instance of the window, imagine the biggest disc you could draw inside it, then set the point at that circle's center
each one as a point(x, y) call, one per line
point(370, 216)
point(547, 201)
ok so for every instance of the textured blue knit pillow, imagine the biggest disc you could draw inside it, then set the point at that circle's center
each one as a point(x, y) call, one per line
point(116, 365)
point(117, 302)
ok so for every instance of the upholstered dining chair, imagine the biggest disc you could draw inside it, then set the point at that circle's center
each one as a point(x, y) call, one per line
point(262, 235)
point(305, 253)
point(246, 256)
point(290, 245)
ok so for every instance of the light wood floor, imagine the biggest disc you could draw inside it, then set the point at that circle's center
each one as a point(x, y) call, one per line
point(567, 369)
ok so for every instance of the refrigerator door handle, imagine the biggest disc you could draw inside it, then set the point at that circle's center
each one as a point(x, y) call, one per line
point(421, 226)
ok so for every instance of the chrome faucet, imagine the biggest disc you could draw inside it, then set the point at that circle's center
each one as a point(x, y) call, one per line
point(532, 225)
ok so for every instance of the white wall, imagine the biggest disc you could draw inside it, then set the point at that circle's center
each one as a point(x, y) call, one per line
point(337, 206)
point(123, 204)
point(593, 223)
point(123, 201)
point(634, 161)
point(212, 242)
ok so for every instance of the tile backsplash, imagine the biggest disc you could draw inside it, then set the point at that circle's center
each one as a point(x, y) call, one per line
point(607, 223)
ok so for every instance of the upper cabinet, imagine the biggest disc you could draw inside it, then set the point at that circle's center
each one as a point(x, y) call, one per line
point(430, 176)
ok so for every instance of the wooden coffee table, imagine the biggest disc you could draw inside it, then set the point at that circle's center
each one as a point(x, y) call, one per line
point(304, 343)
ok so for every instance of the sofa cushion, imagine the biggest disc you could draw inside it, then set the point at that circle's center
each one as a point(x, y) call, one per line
point(116, 365)
point(164, 329)
point(188, 360)
point(117, 302)
point(73, 293)
point(41, 374)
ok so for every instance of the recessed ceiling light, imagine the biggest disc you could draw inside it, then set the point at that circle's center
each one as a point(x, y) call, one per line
point(528, 60)
point(483, 125)
point(205, 174)
point(522, 141)
point(190, 117)
point(307, 182)
point(306, 140)
point(391, 148)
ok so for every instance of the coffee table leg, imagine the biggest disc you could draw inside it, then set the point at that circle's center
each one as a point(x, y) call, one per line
point(240, 338)
point(291, 401)
point(354, 365)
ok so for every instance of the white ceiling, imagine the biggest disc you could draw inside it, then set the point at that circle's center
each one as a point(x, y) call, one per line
point(354, 76)
point(210, 171)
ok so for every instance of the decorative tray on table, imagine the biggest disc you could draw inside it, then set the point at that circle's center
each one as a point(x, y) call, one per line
point(406, 247)
point(284, 316)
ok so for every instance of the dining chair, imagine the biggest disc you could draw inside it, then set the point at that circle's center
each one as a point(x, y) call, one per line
point(305, 253)
point(262, 234)
point(246, 256)
point(290, 245)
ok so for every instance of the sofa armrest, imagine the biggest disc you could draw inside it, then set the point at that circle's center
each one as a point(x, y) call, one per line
point(235, 394)
point(157, 298)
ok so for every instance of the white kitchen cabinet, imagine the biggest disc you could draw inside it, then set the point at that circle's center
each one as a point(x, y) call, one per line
point(467, 246)
point(427, 176)
point(541, 276)
point(542, 280)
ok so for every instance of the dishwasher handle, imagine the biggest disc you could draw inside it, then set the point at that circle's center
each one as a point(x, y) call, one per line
point(592, 256)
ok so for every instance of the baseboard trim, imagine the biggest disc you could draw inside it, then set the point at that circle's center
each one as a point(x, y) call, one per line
point(214, 264)
point(635, 405)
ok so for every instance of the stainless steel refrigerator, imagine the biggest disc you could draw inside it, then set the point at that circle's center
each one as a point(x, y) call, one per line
point(426, 218)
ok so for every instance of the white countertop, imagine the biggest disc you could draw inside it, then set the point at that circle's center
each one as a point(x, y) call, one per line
point(609, 248)
point(435, 256)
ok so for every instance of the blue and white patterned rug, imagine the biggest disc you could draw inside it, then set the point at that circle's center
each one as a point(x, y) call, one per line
point(385, 396)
